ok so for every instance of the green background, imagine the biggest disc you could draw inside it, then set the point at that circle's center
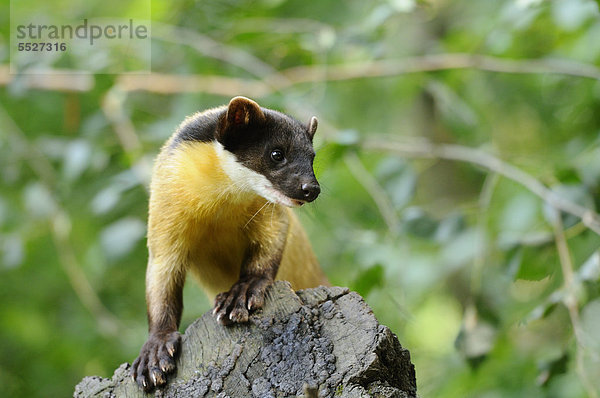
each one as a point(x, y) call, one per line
point(450, 133)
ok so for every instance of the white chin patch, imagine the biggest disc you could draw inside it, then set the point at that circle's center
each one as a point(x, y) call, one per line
point(247, 180)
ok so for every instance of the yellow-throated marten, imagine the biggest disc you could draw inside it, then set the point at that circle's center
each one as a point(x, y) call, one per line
point(220, 200)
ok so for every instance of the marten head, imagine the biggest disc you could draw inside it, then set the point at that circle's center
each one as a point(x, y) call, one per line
point(272, 152)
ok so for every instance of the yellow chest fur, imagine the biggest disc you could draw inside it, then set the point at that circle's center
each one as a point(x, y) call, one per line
point(200, 220)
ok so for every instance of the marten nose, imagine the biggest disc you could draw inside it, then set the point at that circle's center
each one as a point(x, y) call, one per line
point(310, 191)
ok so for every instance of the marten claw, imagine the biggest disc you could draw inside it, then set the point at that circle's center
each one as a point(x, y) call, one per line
point(245, 295)
point(156, 360)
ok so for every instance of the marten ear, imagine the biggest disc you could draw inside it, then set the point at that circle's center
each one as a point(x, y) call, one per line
point(312, 127)
point(242, 111)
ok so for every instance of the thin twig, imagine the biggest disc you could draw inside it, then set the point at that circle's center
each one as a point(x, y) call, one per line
point(163, 83)
point(54, 80)
point(270, 80)
point(113, 108)
point(570, 301)
point(436, 62)
point(475, 156)
point(32, 155)
point(218, 50)
point(272, 25)
point(485, 198)
point(377, 193)
point(287, 78)
point(60, 230)
point(372, 69)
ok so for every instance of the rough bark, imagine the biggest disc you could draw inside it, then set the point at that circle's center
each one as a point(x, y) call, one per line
point(321, 339)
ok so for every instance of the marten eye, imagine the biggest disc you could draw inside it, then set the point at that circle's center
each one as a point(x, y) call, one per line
point(277, 155)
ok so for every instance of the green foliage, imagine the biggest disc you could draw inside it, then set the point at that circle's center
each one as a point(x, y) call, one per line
point(494, 291)
point(369, 279)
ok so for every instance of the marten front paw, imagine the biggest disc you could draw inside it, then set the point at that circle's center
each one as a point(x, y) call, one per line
point(156, 360)
point(246, 295)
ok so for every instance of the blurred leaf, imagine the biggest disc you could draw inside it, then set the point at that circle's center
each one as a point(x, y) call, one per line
point(450, 227)
point(327, 157)
point(518, 220)
point(369, 279)
point(590, 325)
point(13, 250)
point(536, 264)
point(110, 196)
point(549, 370)
point(399, 180)
point(544, 310)
point(515, 258)
point(435, 325)
point(590, 270)
point(573, 193)
point(38, 200)
point(347, 137)
point(588, 166)
point(120, 237)
point(499, 41)
point(463, 247)
point(52, 146)
point(476, 339)
point(571, 14)
point(567, 385)
point(453, 108)
point(416, 222)
point(106, 199)
point(401, 188)
point(520, 14)
point(77, 159)
point(377, 17)
point(590, 340)
point(3, 211)
point(403, 5)
point(568, 176)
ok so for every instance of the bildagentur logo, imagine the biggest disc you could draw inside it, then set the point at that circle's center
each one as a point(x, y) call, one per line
point(108, 37)
point(85, 30)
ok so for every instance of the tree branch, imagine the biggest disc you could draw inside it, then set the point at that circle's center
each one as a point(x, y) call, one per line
point(470, 155)
point(162, 83)
point(436, 62)
point(570, 301)
point(54, 80)
point(217, 50)
point(375, 190)
point(270, 80)
point(60, 227)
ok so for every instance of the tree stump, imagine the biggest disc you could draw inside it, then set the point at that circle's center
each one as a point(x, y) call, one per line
point(321, 342)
